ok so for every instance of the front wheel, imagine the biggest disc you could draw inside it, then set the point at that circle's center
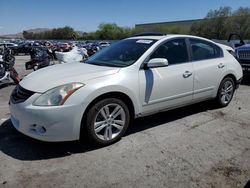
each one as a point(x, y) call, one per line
point(225, 92)
point(106, 121)
point(35, 67)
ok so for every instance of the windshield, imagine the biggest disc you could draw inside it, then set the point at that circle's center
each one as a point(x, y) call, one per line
point(122, 53)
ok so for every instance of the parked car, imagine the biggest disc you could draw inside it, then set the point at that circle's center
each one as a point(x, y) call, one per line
point(242, 52)
point(134, 77)
point(75, 55)
point(8, 44)
point(22, 48)
point(39, 58)
point(63, 47)
point(104, 44)
point(8, 73)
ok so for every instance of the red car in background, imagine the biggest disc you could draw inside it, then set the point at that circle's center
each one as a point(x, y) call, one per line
point(63, 47)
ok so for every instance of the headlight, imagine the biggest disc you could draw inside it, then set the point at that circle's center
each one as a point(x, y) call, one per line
point(57, 96)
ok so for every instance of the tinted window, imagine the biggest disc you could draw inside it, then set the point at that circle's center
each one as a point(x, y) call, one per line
point(204, 50)
point(175, 51)
point(122, 53)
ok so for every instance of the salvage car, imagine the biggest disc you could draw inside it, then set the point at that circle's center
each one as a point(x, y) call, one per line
point(8, 44)
point(132, 78)
point(22, 48)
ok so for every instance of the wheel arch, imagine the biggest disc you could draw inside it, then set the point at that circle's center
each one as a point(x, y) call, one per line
point(114, 94)
point(218, 99)
point(231, 76)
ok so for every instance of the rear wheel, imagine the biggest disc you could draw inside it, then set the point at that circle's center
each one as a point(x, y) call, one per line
point(106, 121)
point(225, 92)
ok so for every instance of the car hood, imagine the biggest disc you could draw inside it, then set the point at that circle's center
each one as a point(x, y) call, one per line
point(244, 47)
point(56, 75)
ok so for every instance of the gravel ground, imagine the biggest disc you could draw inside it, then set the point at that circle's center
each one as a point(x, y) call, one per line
point(195, 146)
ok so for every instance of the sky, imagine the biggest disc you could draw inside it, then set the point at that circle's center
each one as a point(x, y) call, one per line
point(86, 15)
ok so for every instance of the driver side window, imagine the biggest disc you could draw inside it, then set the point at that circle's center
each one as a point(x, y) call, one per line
point(175, 51)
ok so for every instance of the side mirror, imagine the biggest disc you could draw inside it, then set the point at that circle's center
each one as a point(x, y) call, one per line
point(157, 62)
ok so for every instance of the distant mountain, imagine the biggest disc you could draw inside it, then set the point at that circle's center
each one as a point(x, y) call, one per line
point(12, 36)
point(38, 30)
point(20, 35)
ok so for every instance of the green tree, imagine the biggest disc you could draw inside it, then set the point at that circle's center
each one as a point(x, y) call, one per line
point(66, 33)
point(240, 22)
point(214, 25)
point(109, 31)
point(218, 24)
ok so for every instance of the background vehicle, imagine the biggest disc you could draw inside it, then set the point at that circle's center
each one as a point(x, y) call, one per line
point(39, 58)
point(8, 44)
point(104, 44)
point(22, 48)
point(63, 47)
point(134, 77)
point(75, 55)
point(242, 52)
point(8, 74)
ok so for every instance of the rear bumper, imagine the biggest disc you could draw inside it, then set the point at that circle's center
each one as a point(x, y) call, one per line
point(238, 83)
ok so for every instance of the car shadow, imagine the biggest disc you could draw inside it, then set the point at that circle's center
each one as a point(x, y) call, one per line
point(246, 80)
point(21, 147)
point(154, 120)
point(6, 85)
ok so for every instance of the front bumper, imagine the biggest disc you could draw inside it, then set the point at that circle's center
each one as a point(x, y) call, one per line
point(52, 124)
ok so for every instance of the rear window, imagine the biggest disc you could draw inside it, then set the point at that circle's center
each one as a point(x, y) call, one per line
point(202, 50)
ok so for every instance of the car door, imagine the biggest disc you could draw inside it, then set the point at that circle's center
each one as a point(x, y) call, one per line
point(166, 87)
point(208, 67)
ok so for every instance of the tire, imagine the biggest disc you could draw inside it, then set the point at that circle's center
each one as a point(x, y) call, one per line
point(106, 122)
point(35, 68)
point(225, 92)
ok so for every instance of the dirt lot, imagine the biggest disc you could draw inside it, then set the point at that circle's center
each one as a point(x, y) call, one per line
point(195, 146)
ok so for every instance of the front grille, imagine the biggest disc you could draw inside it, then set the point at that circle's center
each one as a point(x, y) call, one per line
point(244, 54)
point(20, 94)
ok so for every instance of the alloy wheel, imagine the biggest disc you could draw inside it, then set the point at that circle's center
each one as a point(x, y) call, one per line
point(226, 92)
point(109, 121)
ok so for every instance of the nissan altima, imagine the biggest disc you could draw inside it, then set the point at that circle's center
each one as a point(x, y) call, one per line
point(131, 78)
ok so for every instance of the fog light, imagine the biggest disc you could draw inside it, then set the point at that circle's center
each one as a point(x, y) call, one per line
point(41, 129)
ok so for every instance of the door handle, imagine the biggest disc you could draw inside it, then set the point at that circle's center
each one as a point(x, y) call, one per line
point(221, 65)
point(186, 74)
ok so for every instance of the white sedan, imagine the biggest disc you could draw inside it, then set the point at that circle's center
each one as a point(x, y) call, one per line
point(131, 78)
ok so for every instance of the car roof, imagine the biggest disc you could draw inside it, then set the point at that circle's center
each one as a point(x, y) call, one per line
point(1, 43)
point(159, 37)
point(148, 37)
point(168, 36)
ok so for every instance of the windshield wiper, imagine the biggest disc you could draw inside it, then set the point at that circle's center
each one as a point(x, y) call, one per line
point(101, 64)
